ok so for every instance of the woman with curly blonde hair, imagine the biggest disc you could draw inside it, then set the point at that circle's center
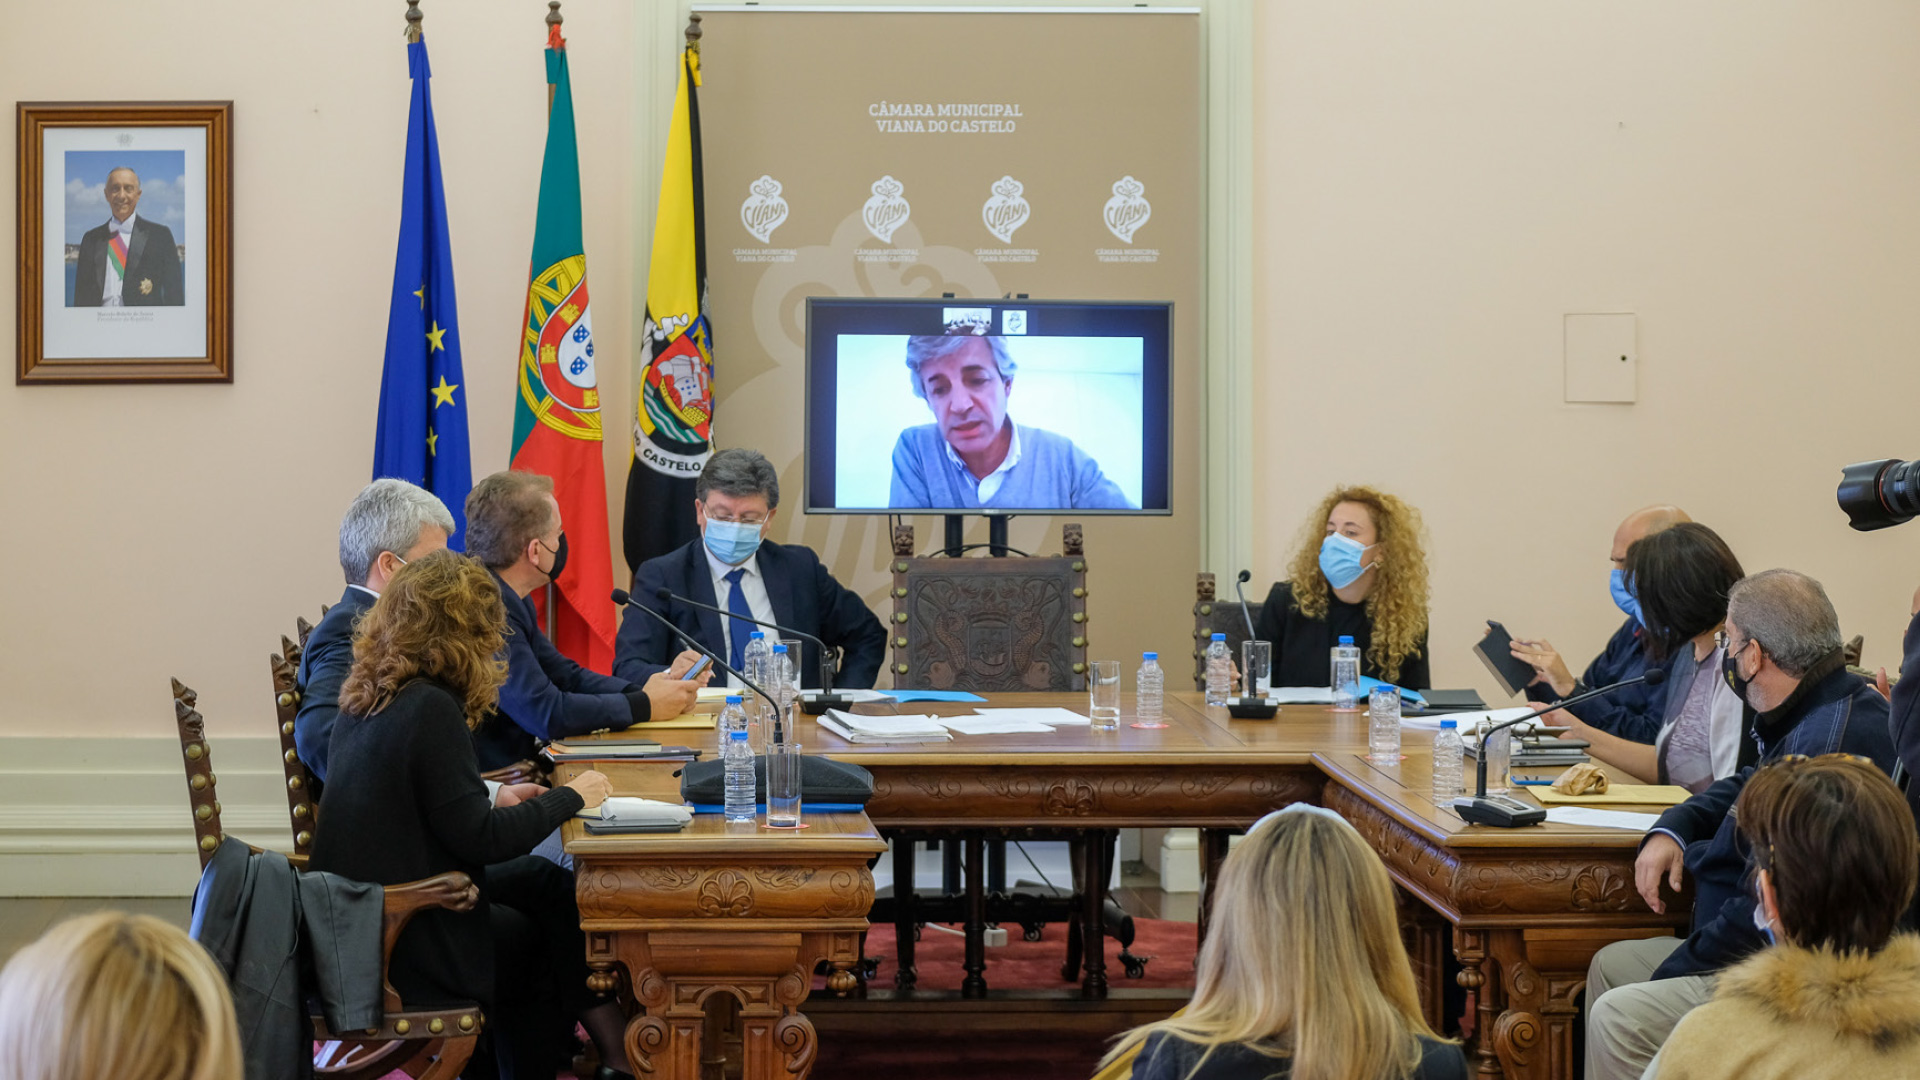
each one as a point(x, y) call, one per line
point(119, 995)
point(404, 801)
point(1360, 571)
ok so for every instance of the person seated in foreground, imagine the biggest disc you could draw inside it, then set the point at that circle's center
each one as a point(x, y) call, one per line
point(1634, 713)
point(1303, 974)
point(390, 523)
point(514, 530)
point(1682, 577)
point(116, 995)
point(1837, 995)
point(732, 567)
point(973, 455)
point(1361, 571)
point(407, 803)
point(1783, 658)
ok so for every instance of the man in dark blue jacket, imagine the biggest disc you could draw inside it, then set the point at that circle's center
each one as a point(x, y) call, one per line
point(732, 567)
point(513, 528)
point(1632, 713)
point(1783, 657)
point(390, 523)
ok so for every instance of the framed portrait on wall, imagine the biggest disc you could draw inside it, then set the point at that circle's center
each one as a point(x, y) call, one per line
point(126, 242)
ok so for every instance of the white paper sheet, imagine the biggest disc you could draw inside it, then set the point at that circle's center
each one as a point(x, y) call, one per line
point(888, 725)
point(1470, 722)
point(987, 725)
point(1606, 819)
point(1302, 695)
point(865, 697)
point(1055, 717)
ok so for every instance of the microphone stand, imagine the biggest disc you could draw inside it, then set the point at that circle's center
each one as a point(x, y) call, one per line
point(1505, 812)
point(1252, 706)
point(621, 596)
point(812, 704)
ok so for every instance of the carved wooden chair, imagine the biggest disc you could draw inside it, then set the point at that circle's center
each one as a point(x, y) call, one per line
point(990, 624)
point(1212, 616)
point(430, 1044)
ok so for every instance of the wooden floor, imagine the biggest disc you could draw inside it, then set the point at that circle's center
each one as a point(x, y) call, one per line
point(26, 918)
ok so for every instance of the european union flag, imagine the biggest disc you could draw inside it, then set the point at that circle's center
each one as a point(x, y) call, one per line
point(422, 434)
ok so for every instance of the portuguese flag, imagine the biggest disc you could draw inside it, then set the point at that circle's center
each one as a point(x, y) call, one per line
point(556, 417)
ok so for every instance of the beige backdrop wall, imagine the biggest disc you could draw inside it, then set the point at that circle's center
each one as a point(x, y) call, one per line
point(1100, 97)
point(1439, 185)
point(177, 530)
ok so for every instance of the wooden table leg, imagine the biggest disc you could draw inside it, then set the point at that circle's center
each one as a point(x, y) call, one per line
point(1213, 852)
point(1093, 932)
point(975, 984)
point(904, 975)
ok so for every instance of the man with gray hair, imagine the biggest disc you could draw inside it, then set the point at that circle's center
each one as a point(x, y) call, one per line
point(1783, 658)
point(973, 455)
point(732, 567)
point(389, 524)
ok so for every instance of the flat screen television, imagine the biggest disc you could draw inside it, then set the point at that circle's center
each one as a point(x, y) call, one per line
point(987, 406)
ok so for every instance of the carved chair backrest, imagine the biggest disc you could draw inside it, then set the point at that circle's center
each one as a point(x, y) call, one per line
point(1210, 617)
point(989, 624)
point(284, 666)
point(199, 762)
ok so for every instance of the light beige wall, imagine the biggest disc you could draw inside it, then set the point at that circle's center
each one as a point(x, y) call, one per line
point(1439, 184)
point(162, 530)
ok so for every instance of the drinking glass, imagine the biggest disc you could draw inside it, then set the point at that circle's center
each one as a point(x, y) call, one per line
point(795, 667)
point(1103, 689)
point(1256, 664)
point(1383, 725)
point(783, 784)
point(1499, 752)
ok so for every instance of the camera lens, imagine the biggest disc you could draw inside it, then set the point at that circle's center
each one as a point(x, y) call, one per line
point(1879, 494)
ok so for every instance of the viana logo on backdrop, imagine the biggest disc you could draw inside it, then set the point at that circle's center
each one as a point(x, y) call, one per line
point(1005, 210)
point(887, 210)
point(764, 209)
point(1128, 209)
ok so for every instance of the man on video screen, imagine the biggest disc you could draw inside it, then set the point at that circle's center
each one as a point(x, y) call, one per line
point(973, 454)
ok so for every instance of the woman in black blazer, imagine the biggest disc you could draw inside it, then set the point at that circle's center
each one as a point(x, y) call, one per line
point(1303, 975)
point(404, 801)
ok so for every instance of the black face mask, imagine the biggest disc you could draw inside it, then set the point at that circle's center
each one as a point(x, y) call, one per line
point(559, 557)
point(1730, 664)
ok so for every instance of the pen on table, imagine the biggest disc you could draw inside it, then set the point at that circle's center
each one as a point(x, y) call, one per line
point(1532, 782)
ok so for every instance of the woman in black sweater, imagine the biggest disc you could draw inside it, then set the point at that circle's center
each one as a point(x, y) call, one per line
point(1360, 571)
point(404, 801)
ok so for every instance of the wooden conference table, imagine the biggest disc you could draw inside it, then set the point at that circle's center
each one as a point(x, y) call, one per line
point(747, 912)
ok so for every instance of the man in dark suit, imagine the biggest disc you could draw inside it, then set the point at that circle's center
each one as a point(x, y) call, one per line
point(732, 568)
point(390, 523)
point(129, 261)
point(513, 528)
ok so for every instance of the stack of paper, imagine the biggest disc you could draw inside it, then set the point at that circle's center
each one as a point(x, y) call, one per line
point(634, 813)
point(1605, 819)
point(987, 725)
point(1052, 717)
point(884, 729)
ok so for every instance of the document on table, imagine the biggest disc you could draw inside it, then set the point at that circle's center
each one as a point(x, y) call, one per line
point(1301, 695)
point(987, 725)
point(1605, 819)
point(1054, 717)
point(1470, 722)
point(883, 729)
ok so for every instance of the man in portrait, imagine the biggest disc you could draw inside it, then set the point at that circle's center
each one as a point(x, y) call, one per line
point(973, 454)
point(129, 261)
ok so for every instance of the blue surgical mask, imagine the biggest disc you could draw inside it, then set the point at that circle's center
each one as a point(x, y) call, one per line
point(732, 542)
point(1762, 923)
point(1340, 560)
point(1623, 596)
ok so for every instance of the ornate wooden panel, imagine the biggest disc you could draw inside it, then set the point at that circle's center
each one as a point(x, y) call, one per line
point(989, 625)
point(1086, 796)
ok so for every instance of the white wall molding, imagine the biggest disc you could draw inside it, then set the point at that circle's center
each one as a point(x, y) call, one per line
point(1226, 539)
point(108, 817)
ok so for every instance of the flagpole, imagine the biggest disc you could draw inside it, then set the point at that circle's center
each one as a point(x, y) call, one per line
point(414, 17)
point(554, 20)
point(693, 31)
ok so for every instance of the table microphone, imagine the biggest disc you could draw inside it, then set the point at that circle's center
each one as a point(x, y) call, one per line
point(1504, 812)
point(1249, 708)
point(621, 596)
point(812, 704)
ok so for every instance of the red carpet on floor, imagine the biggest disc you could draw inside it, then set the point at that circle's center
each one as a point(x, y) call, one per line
point(1035, 965)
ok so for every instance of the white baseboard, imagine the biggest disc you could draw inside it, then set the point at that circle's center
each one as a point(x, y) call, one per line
point(108, 817)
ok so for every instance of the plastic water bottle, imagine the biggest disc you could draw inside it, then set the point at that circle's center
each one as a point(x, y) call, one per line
point(1149, 690)
point(1219, 671)
point(738, 758)
point(732, 718)
point(780, 683)
point(1346, 675)
point(1383, 724)
point(1448, 762)
point(754, 665)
